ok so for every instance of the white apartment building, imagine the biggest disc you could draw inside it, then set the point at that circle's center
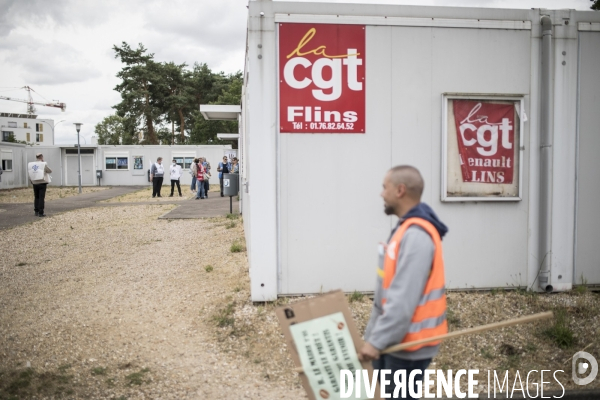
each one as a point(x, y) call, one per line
point(26, 128)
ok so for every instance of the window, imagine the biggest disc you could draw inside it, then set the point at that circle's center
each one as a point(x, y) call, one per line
point(39, 127)
point(12, 124)
point(184, 161)
point(24, 124)
point(6, 165)
point(179, 161)
point(8, 136)
point(117, 162)
point(81, 151)
point(122, 163)
point(481, 142)
point(39, 137)
point(28, 136)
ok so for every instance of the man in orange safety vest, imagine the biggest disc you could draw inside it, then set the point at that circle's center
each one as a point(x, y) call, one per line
point(410, 299)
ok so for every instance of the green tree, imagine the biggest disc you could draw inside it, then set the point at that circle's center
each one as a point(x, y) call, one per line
point(595, 5)
point(111, 130)
point(139, 80)
point(177, 96)
point(154, 95)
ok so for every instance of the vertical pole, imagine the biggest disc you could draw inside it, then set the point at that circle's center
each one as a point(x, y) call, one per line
point(230, 205)
point(546, 164)
point(79, 159)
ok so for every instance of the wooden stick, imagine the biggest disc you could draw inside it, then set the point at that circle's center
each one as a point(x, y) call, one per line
point(470, 331)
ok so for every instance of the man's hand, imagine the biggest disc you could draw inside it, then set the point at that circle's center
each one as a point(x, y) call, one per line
point(368, 352)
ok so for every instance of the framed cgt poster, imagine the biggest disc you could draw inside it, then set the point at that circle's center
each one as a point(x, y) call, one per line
point(482, 148)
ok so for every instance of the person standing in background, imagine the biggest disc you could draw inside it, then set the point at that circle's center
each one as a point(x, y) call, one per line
point(157, 173)
point(200, 173)
point(223, 168)
point(175, 175)
point(193, 172)
point(207, 176)
point(38, 175)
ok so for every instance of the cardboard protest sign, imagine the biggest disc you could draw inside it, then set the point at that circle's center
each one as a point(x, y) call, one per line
point(323, 340)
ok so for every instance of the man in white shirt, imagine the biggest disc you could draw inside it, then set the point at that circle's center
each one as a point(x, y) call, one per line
point(39, 176)
point(175, 176)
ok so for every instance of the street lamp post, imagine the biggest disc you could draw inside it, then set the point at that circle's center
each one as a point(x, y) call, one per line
point(78, 127)
point(53, 127)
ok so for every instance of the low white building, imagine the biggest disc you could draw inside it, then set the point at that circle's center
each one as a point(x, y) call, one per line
point(105, 165)
point(26, 128)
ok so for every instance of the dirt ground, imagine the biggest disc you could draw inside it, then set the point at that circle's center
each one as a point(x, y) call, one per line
point(145, 194)
point(112, 303)
point(25, 195)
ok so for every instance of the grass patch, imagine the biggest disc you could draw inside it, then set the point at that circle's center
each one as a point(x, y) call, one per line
point(582, 289)
point(233, 216)
point(356, 296)
point(230, 225)
point(22, 380)
point(224, 317)
point(27, 383)
point(237, 247)
point(21, 264)
point(485, 353)
point(137, 378)
point(208, 268)
point(99, 371)
point(560, 332)
point(452, 318)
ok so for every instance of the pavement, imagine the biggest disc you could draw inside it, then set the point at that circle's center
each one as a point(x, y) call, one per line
point(15, 214)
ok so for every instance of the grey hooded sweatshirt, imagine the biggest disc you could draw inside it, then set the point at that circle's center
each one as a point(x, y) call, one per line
point(414, 263)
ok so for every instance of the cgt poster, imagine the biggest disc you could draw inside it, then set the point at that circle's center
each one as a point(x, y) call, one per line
point(482, 142)
point(321, 78)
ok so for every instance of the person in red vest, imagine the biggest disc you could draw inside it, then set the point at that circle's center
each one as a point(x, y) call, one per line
point(410, 300)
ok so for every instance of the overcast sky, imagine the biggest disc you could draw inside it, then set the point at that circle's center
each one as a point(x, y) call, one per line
point(63, 48)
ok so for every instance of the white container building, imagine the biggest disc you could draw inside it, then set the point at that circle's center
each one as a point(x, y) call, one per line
point(336, 94)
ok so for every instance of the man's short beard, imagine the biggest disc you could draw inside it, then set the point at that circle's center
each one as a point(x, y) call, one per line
point(389, 210)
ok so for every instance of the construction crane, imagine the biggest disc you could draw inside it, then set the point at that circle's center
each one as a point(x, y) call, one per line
point(30, 102)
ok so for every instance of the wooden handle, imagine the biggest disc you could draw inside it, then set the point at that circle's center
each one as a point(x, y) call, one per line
point(470, 331)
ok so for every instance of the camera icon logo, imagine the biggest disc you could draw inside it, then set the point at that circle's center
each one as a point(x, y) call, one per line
point(581, 367)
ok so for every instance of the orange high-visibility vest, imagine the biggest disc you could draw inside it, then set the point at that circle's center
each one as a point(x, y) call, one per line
point(429, 318)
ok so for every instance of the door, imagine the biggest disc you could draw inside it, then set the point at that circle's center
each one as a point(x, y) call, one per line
point(87, 170)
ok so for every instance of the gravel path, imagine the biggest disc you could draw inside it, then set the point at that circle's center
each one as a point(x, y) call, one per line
point(114, 302)
point(110, 302)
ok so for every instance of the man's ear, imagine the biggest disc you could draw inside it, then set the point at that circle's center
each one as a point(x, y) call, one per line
point(400, 190)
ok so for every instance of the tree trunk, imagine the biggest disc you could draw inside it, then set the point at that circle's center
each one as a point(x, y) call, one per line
point(182, 125)
point(151, 139)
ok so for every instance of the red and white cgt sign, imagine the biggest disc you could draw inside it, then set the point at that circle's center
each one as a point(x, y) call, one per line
point(322, 78)
point(486, 140)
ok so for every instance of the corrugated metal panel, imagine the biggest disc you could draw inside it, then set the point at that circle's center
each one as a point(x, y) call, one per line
point(587, 264)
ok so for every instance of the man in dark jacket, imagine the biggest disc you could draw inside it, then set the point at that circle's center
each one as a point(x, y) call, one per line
point(409, 267)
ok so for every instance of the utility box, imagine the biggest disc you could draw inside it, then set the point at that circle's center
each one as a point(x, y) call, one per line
point(231, 185)
point(99, 173)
